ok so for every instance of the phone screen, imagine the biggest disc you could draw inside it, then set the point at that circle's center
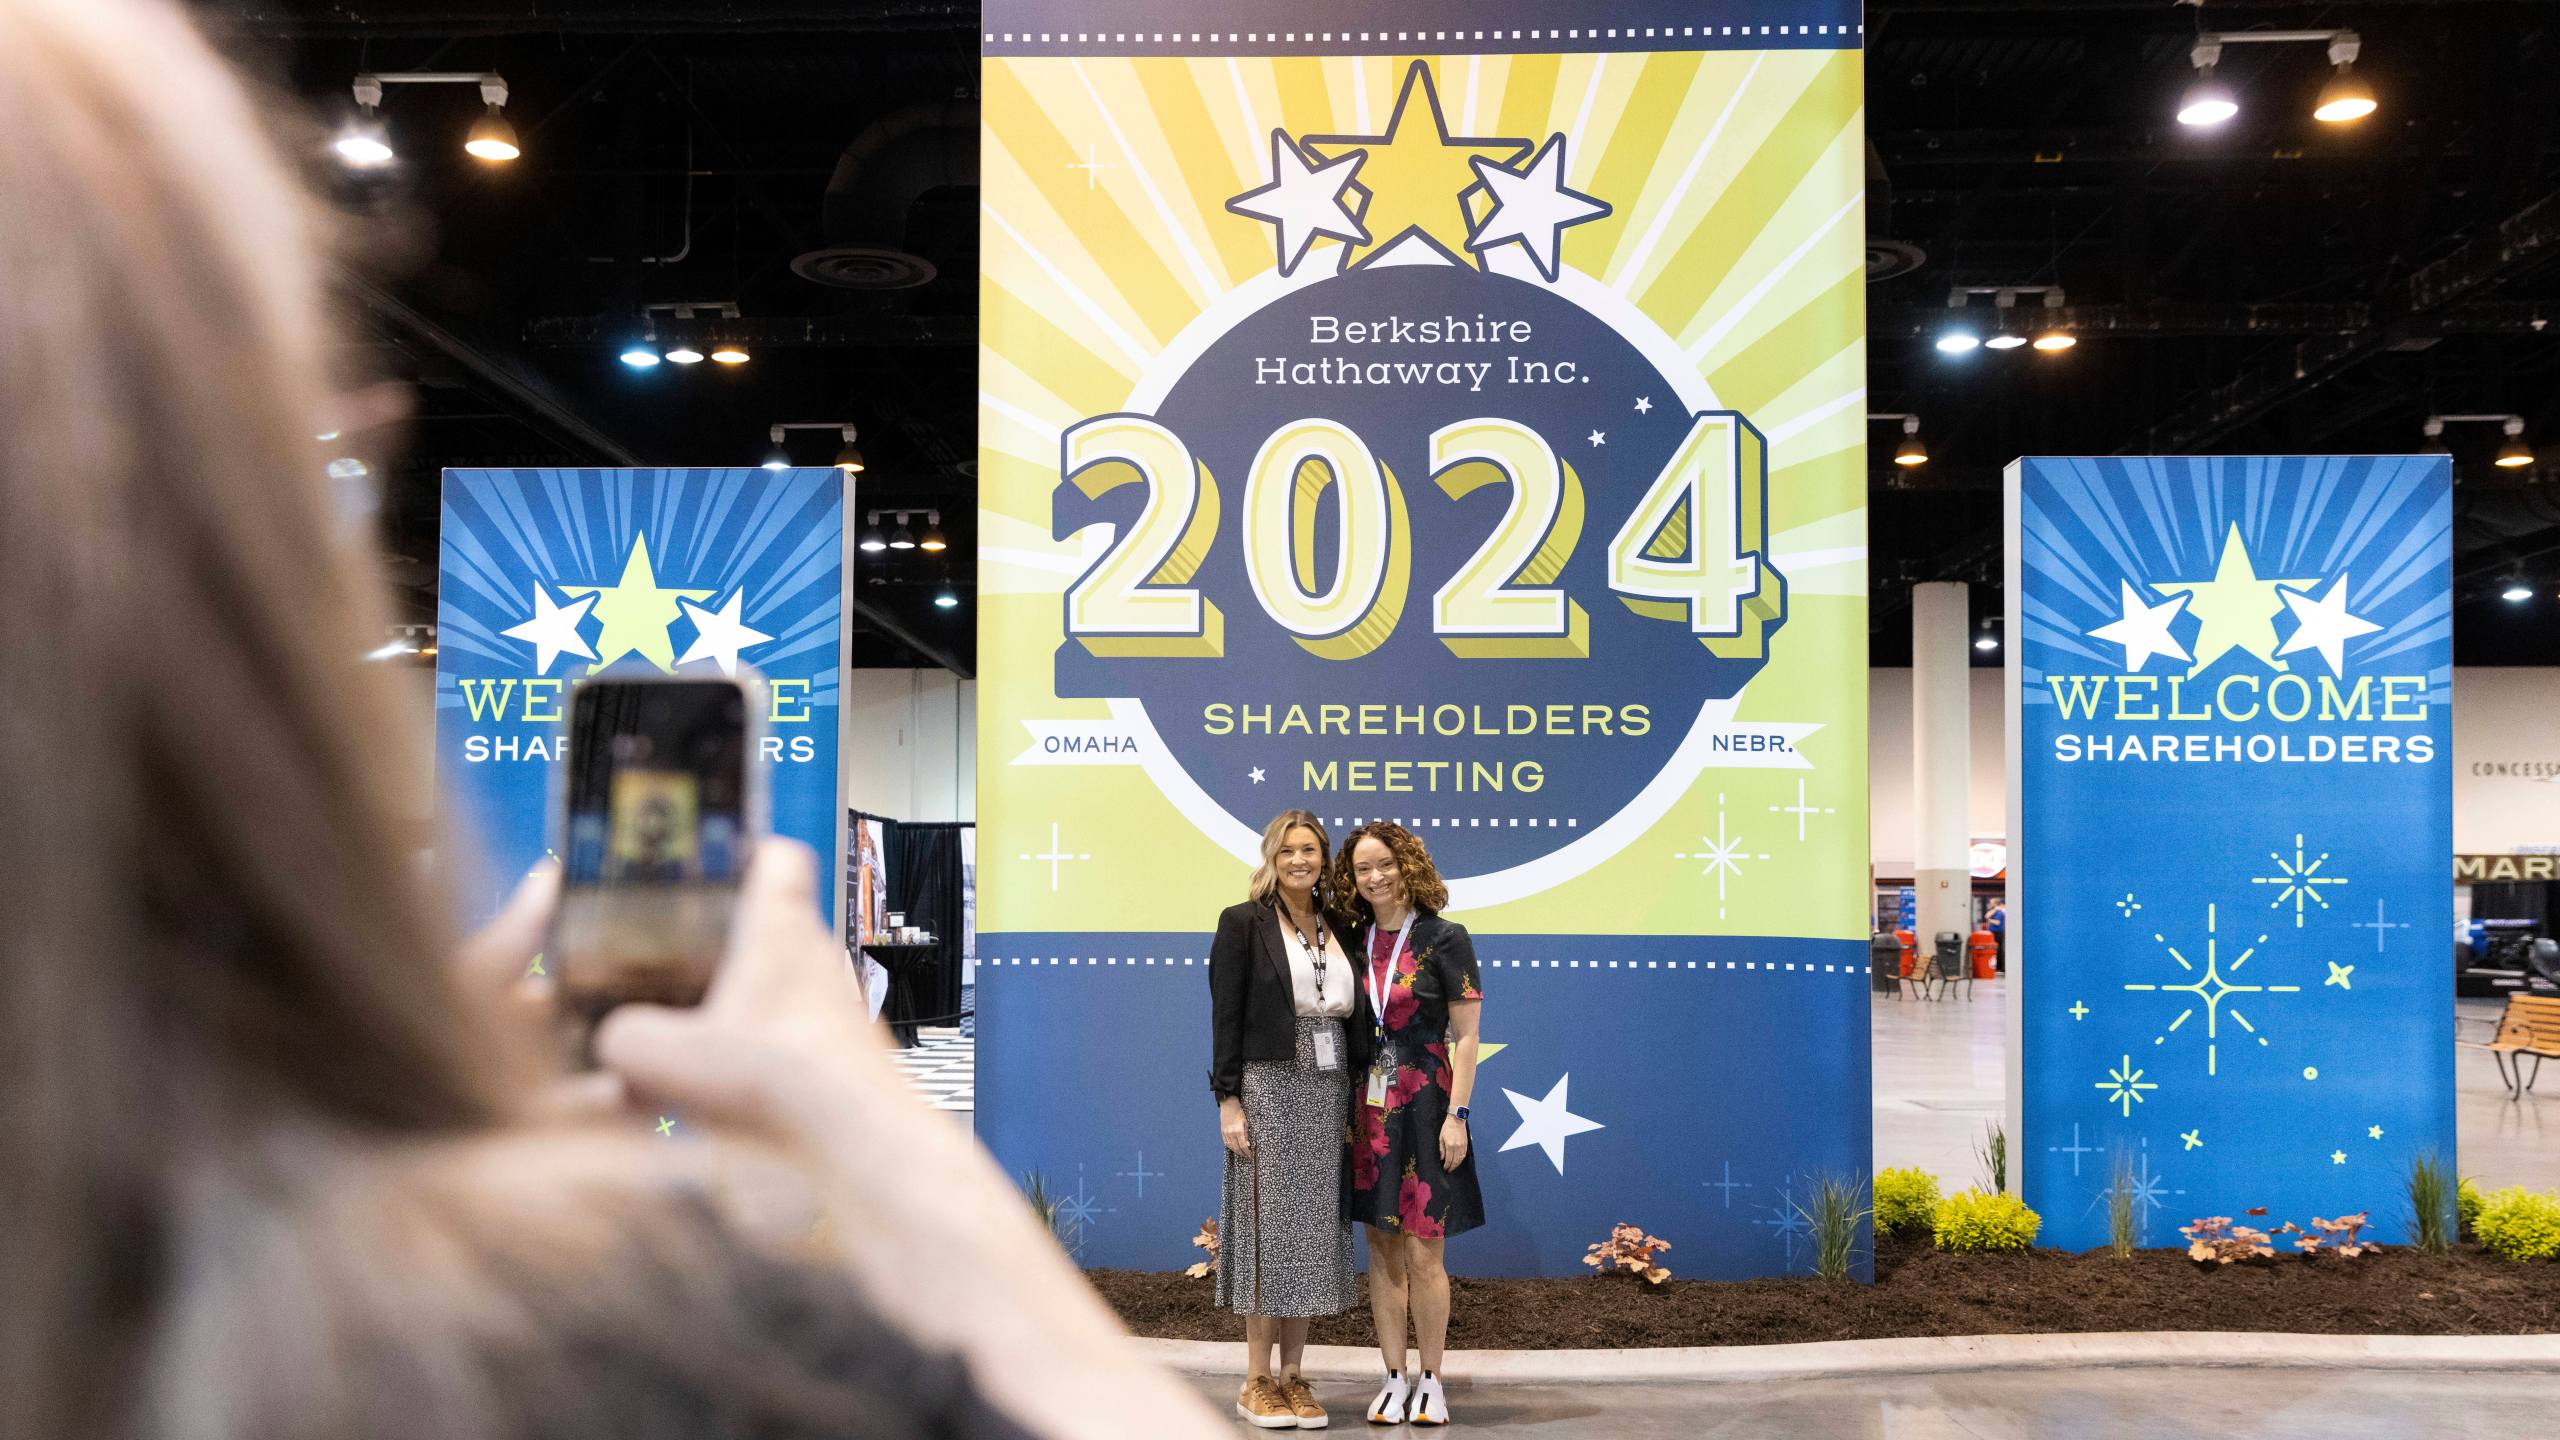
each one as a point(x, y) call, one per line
point(656, 829)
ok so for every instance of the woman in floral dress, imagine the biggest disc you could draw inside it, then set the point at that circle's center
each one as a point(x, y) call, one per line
point(1412, 1177)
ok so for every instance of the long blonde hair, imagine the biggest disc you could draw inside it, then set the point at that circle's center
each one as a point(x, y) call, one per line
point(231, 1043)
point(1264, 887)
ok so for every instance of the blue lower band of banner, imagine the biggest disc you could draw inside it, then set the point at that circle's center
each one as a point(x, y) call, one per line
point(1694, 1086)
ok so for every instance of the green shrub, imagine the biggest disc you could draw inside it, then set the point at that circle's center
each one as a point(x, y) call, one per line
point(1831, 1213)
point(2466, 1204)
point(2520, 1224)
point(2431, 1204)
point(1906, 1200)
point(1970, 1221)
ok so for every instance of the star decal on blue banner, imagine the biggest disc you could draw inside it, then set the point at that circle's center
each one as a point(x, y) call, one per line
point(548, 576)
point(2231, 806)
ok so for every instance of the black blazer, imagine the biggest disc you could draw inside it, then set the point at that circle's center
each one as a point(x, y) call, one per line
point(1253, 1006)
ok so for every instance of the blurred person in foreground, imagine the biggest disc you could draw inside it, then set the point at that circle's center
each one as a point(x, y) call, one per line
point(277, 1163)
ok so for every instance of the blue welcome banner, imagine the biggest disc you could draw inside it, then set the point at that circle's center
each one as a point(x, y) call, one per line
point(2231, 802)
point(548, 576)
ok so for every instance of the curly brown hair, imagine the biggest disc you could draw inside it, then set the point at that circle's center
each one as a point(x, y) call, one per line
point(1423, 887)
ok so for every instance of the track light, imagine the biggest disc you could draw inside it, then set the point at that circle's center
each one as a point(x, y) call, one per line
point(945, 601)
point(639, 354)
point(2516, 592)
point(777, 458)
point(1910, 452)
point(2208, 101)
point(902, 538)
point(1957, 342)
point(2515, 454)
point(2434, 430)
point(725, 354)
point(849, 456)
point(492, 139)
point(2052, 340)
point(871, 541)
point(683, 353)
point(932, 538)
point(2005, 340)
point(1986, 643)
point(2346, 97)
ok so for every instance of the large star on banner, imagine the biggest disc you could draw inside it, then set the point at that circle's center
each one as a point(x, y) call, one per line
point(2143, 630)
point(1304, 201)
point(1546, 1123)
point(2238, 610)
point(2323, 625)
point(1418, 176)
point(553, 630)
point(1533, 209)
point(720, 634)
point(636, 612)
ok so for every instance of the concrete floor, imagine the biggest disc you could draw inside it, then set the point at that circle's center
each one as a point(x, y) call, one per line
point(1940, 1072)
point(2154, 1404)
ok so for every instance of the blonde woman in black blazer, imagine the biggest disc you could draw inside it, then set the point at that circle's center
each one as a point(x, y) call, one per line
point(1281, 988)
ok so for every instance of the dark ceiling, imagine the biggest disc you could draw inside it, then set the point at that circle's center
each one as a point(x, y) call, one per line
point(2280, 285)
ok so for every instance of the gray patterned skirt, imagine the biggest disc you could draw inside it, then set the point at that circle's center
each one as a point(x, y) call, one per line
point(1281, 1212)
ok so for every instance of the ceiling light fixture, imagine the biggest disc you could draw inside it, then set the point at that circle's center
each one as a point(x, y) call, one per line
point(492, 140)
point(902, 538)
point(2005, 340)
point(932, 537)
point(2207, 101)
point(945, 601)
point(363, 142)
point(2345, 97)
point(848, 458)
point(727, 354)
point(1910, 452)
point(777, 458)
point(639, 354)
point(2053, 340)
point(2516, 591)
point(2514, 454)
point(683, 353)
point(849, 455)
point(871, 540)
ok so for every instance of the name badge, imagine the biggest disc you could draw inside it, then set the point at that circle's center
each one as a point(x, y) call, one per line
point(1326, 1059)
point(1377, 1086)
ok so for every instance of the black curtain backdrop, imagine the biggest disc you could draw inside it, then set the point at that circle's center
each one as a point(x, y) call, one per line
point(924, 885)
point(2518, 900)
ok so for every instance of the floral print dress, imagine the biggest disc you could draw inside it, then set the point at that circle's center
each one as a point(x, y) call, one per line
point(1395, 1180)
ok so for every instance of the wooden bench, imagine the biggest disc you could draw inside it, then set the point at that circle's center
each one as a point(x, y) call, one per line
point(2530, 1026)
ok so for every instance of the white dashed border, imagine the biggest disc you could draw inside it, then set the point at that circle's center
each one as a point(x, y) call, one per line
point(1061, 39)
point(1805, 968)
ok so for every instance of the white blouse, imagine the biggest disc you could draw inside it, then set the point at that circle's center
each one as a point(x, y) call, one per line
point(1334, 998)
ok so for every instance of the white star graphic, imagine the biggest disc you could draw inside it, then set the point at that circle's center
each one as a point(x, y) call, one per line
point(554, 630)
point(1303, 201)
point(1533, 208)
point(2143, 630)
point(721, 635)
point(1599, 438)
point(1257, 774)
point(2324, 625)
point(1546, 1123)
point(1644, 404)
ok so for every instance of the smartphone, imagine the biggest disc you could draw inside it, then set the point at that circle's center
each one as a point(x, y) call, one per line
point(659, 803)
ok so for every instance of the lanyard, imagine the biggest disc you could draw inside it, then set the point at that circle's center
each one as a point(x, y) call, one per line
point(1378, 980)
point(1315, 951)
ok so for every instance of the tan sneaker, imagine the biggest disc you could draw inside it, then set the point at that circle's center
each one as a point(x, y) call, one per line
point(1302, 1400)
point(1262, 1405)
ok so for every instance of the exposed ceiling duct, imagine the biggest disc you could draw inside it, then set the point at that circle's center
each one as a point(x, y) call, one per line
point(880, 179)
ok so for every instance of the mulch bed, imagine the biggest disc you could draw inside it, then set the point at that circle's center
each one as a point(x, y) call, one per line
point(1923, 1291)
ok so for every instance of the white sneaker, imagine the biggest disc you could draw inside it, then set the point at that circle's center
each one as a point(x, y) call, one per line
point(1388, 1408)
point(1430, 1407)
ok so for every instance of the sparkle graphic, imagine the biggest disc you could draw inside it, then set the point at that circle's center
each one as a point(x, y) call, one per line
point(1598, 438)
point(1800, 809)
point(537, 972)
point(1418, 178)
point(2373, 1132)
point(1076, 1212)
point(1092, 165)
point(2337, 1157)
point(1255, 774)
point(1728, 1185)
point(1723, 853)
point(636, 611)
point(2125, 1086)
point(2381, 928)
point(1141, 1174)
point(2149, 1188)
point(1644, 404)
point(2211, 988)
point(2339, 976)
point(2078, 1011)
point(2194, 1138)
point(1053, 857)
point(2299, 880)
point(2310, 1072)
point(1786, 1220)
point(2235, 608)
point(2128, 905)
point(2075, 1150)
point(667, 1126)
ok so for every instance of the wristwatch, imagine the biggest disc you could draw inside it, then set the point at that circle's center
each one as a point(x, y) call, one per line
point(1458, 1112)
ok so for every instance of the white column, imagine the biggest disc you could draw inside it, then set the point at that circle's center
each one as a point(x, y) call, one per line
point(1941, 750)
